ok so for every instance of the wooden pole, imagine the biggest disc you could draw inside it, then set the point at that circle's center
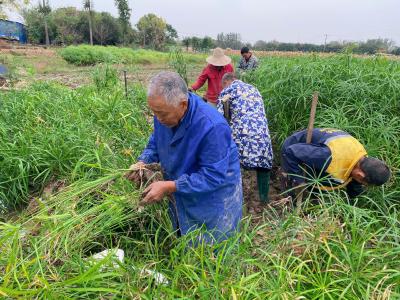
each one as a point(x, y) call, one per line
point(126, 85)
point(310, 129)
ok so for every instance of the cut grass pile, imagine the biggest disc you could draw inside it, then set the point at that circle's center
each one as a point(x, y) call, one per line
point(335, 250)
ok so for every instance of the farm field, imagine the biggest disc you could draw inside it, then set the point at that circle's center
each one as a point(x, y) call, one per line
point(30, 64)
point(68, 134)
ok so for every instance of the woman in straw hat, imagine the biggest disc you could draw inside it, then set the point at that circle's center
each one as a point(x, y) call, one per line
point(218, 65)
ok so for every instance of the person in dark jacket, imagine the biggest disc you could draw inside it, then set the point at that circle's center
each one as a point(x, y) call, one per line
point(248, 62)
point(335, 157)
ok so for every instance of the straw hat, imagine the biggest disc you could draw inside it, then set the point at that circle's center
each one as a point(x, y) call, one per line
point(218, 58)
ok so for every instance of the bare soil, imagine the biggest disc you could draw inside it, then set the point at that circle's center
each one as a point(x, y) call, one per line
point(3, 82)
point(53, 187)
point(251, 197)
point(25, 50)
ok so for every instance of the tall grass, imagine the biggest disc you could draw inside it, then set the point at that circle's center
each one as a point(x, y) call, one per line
point(105, 77)
point(336, 249)
point(91, 55)
point(49, 132)
point(353, 89)
point(178, 62)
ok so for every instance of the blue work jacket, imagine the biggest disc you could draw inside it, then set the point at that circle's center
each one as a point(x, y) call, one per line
point(201, 157)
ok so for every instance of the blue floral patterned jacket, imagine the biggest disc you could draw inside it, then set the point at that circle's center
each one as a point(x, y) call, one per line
point(249, 124)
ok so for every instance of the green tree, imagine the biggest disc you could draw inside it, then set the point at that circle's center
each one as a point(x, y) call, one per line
point(13, 5)
point(68, 22)
point(395, 51)
point(187, 42)
point(88, 6)
point(45, 10)
point(107, 29)
point(373, 46)
point(35, 26)
point(152, 31)
point(171, 34)
point(124, 16)
point(207, 43)
point(229, 40)
point(70, 26)
point(260, 45)
point(196, 43)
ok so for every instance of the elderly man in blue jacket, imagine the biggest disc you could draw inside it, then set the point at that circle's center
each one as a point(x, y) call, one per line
point(199, 159)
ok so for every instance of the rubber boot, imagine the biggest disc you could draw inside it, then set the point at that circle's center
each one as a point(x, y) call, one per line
point(263, 184)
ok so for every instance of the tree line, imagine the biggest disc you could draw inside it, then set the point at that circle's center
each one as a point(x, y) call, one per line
point(70, 25)
point(371, 46)
point(234, 41)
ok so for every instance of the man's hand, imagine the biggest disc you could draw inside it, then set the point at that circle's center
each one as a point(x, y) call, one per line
point(156, 191)
point(135, 172)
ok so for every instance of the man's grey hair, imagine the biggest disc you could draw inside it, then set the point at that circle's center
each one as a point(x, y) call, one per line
point(229, 77)
point(168, 85)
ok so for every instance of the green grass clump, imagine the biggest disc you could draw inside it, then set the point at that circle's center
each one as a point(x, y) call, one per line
point(337, 251)
point(49, 132)
point(105, 77)
point(91, 55)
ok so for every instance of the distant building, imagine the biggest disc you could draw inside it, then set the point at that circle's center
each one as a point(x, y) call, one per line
point(14, 31)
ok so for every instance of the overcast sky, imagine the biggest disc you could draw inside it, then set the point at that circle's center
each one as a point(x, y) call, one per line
point(283, 20)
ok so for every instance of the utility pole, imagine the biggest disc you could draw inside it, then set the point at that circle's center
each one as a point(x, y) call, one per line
point(326, 37)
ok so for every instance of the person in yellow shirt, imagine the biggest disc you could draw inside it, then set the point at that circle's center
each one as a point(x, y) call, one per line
point(334, 156)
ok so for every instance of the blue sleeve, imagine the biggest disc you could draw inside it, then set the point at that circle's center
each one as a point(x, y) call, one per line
point(150, 154)
point(214, 158)
point(317, 157)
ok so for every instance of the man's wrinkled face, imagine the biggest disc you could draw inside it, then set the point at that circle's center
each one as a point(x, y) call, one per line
point(246, 55)
point(165, 113)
